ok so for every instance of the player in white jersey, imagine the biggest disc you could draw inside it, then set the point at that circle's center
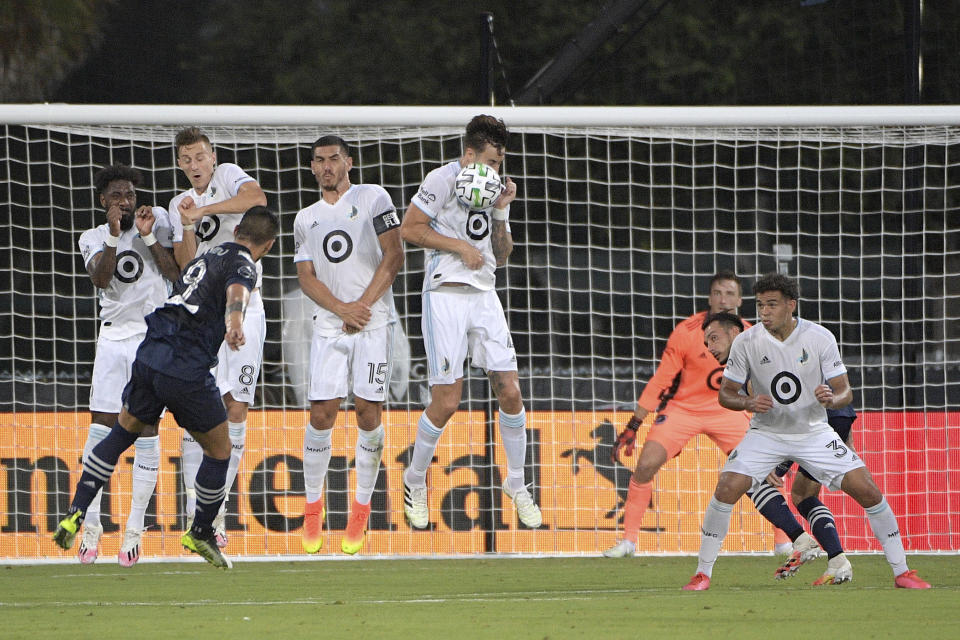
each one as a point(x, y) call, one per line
point(786, 360)
point(348, 253)
point(129, 261)
point(462, 314)
point(204, 217)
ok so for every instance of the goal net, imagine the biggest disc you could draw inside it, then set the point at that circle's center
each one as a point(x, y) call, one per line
point(623, 216)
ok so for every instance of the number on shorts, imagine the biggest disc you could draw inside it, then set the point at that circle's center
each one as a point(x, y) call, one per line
point(837, 446)
point(378, 372)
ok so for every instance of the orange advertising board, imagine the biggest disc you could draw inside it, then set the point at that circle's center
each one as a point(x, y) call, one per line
point(580, 492)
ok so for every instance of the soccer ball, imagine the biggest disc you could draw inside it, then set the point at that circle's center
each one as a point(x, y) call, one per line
point(478, 186)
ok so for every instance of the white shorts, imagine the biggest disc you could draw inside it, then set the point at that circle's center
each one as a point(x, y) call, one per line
point(358, 361)
point(111, 372)
point(458, 321)
point(823, 454)
point(237, 371)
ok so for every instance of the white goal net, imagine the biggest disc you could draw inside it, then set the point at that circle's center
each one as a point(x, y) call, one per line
point(623, 216)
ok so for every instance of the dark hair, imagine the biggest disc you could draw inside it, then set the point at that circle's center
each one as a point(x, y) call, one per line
point(726, 275)
point(258, 225)
point(329, 141)
point(105, 176)
point(483, 130)
point(725, 318)
point(777, 282)
point(188, 136)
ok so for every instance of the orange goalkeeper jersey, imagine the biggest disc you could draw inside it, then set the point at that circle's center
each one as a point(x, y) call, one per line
point(688, 376)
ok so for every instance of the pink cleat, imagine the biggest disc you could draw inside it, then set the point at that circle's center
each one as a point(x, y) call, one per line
point(87, 551)
point(910, 580)
point(699, 582)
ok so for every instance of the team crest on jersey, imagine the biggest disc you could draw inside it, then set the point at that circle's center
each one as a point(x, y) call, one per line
point(804, 357)
point(353, 213)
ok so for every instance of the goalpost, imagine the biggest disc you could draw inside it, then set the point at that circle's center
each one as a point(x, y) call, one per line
point(623, 214)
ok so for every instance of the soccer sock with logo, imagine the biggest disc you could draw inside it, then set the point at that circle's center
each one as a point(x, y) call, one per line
point(822, 525)
point(716, 523)
point(513, 431)
point(638, 499)
point(98, 466)
point(423, 447)
point(210, 485)
point(316, 460)
point(146, 464)
point(95, 435)
point(192, 455)
point(772, 506)
point(369, 450)
point(238, 439)
point(885, 529)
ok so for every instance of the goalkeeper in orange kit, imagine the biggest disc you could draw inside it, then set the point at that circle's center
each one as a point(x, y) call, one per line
point(682, 394)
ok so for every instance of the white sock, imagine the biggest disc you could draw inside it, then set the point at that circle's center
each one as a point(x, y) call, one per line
point(238, 438)
point(884, 525)
point(513, 431)
point(423, 447)
point(716, 522)
point(192, 456)
point(316, 460)
point(367, 460)
point(95, 434)
point(146, 465)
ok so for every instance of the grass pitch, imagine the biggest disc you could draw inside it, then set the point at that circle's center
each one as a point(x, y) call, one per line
point(495, 597)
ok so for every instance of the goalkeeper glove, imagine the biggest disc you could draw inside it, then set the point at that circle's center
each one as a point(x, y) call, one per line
point(625, 440)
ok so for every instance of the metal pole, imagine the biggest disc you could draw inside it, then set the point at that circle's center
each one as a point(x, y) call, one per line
point(485, 79)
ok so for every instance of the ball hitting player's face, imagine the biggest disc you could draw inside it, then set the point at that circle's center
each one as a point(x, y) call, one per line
point(120, 193)
point(198, 162)
point(490, 155)
point(330, 166)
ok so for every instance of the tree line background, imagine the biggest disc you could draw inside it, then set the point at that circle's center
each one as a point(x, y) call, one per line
point(426, 52)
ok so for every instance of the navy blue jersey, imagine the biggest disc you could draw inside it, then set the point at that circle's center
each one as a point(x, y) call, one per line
point(184, 335)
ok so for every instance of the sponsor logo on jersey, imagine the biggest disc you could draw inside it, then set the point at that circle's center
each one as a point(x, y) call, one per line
point(426, 196)
point(837, 363)
point(316, 223)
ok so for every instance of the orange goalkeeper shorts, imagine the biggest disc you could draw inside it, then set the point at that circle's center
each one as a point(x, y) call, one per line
point(674, 428)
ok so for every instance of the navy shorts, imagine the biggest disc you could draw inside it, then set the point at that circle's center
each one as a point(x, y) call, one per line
point(195, 404)
point(842, 425)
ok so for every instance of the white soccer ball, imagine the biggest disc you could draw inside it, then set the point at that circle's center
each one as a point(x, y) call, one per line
point(478, 186)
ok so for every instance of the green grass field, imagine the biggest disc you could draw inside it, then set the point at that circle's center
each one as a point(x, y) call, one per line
point(493, 597)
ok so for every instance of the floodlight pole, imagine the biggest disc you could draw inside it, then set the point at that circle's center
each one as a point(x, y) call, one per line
point(485, 78)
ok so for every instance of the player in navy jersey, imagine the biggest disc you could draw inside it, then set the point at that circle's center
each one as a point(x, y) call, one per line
point(172, 370)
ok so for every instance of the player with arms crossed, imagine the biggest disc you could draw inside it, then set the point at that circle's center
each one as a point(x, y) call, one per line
point(683, 395)
point(348, 253)
point(172, 370)
point(462, 314)
point(202, 218)
point(786, 360)
point(128, 258)
point(719, 331)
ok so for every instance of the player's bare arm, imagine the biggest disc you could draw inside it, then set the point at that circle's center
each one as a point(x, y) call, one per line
point(185, 250)
point(730, 398)
point(355, 315)
point(501, 240)
point(103, 265)
point(416, 229)
point(836, 394)
point(237, 298)
point(386, 271)
point(249, 194)
point(145, 220)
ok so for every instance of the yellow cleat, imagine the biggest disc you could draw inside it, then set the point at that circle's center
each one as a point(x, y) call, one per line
point(67, 530)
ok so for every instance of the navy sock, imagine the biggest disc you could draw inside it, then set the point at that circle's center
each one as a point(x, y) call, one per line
point(99, 466)
point(772, 506)
point(822, 525)
point(211, 489)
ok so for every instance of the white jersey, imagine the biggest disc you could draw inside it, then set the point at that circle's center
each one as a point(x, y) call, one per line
point(137, 286)
point(787, 371)
point(450, 218)
point(214, 230)
point(342, 241)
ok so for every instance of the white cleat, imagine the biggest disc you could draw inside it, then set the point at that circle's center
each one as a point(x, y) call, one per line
point(220, 528)
point(623, 549)
point(130, 549)
point(527, 509)
point(838, 571)
point(415, 506)
point(805, 549)
point(87, 551)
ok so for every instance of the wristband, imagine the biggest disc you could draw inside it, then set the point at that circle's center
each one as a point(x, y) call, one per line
point(500, 214)
point(149, 239)
point(112, 240)
point(189, 227)
point(633, 424)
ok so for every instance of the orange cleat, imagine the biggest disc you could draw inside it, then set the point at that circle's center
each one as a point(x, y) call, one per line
point(356, 531)
point(699, 582)
point(313, 515)
point(910, 580)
